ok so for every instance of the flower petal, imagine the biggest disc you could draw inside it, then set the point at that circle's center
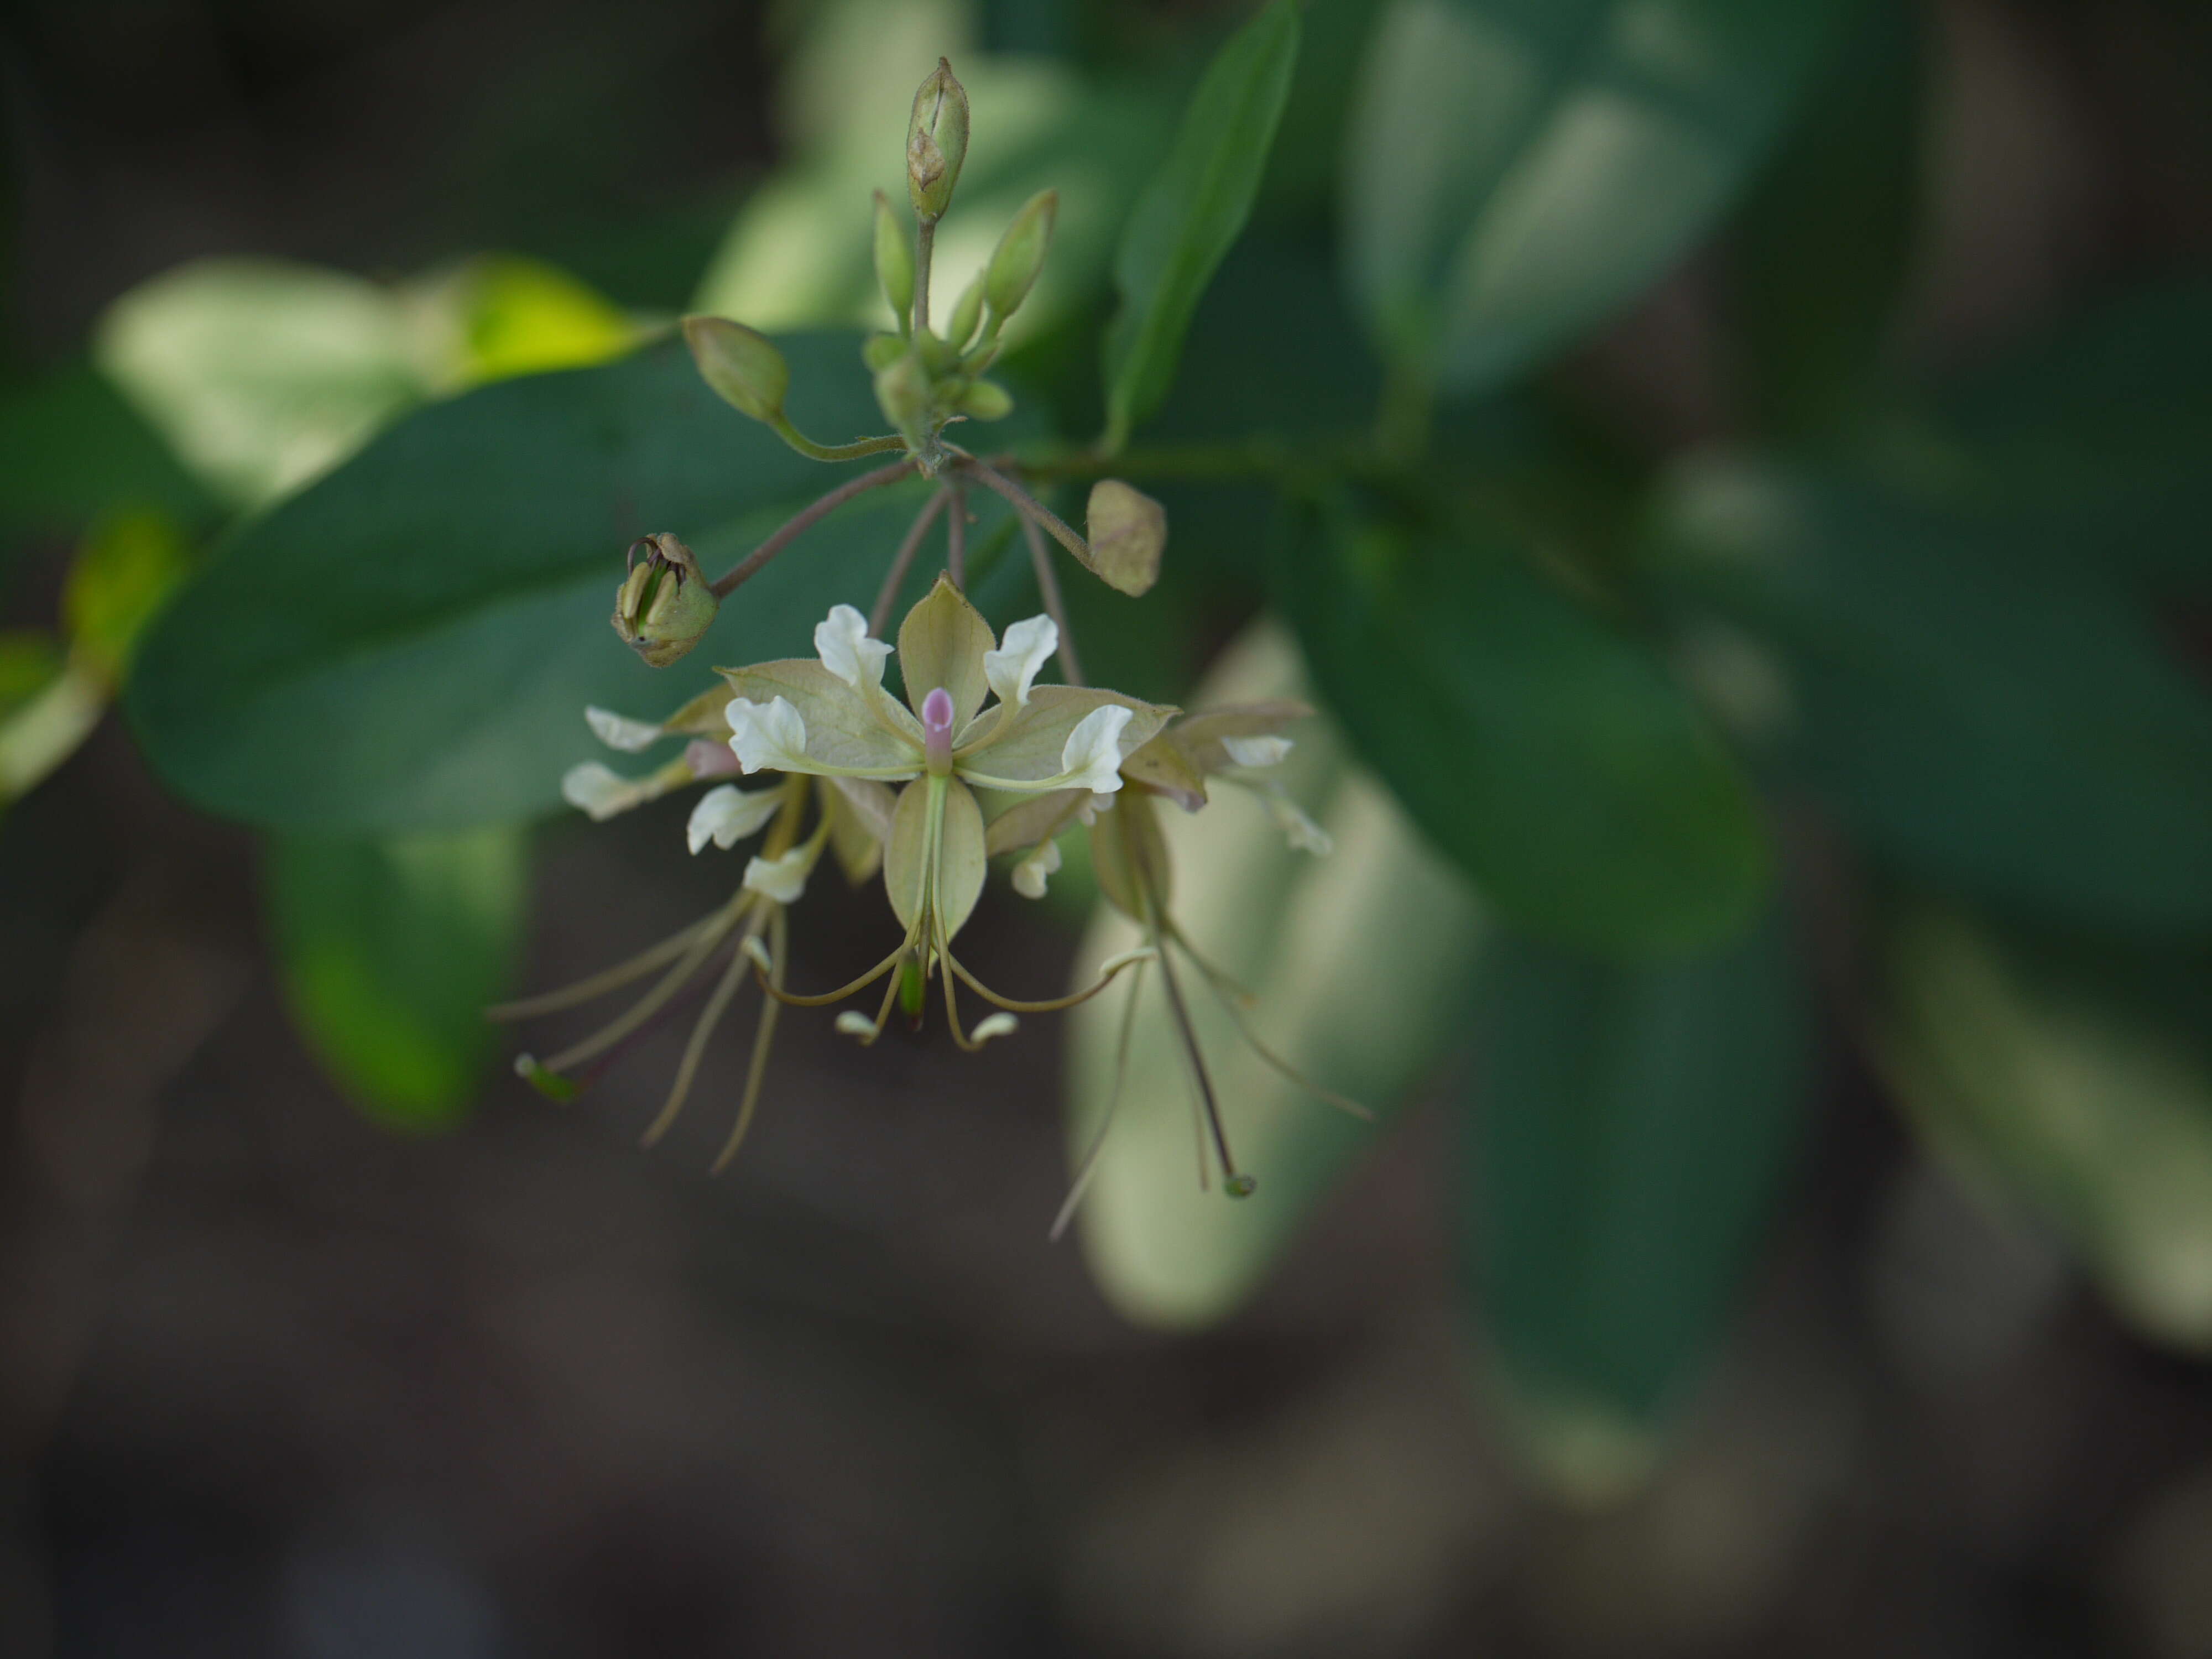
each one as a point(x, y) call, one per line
point(1091, 758)
point(1029, 875)
point(769, 735)
point(593, 789)
point(846, 731)
point(1014, 665)
point(701, 717)
point(958, 877)
point(1256, 752)
point(726, 816)
point(782, 879)
point(842, 643)
point(1026, 750)
point(943, 642)
point(1033, 818)
point(620, 732)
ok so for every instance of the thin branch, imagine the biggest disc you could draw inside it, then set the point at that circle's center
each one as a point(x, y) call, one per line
point(955, 538)
point(1047, 581)
point(806, 517)
point(1028, 506)
point(879, 616)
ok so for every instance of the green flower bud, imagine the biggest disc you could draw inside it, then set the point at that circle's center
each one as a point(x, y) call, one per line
point(894, 261)
point(937, 357)
point(745, 369)
point(967, 313)
point(986, 400)
point(1020, 254)
point(881, 351)
point(903, 388)
point(666, 604)
point(936, 141)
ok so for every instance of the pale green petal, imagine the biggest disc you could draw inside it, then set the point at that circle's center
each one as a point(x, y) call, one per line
point(960, 859)
point(620, 732)
point(1033, 818)
point(959, 862)
point(906, 852)
point(782, 879)
point(1256, 752)
point(843, 730)
point(943, 642)
point(1028, 752)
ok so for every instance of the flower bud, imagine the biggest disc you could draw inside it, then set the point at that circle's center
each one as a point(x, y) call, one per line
point(936, 141)
point(1020, 254)
point(745, 368)
point(882, 350)
point(967, 313)
point(894, 261)
point(665, 604)
point(903, 389)
point(986, 400)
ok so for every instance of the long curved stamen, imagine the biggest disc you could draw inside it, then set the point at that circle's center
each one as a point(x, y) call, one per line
point(696, 1050)
point(1107, 974)
point(1222, 986)
point(764, 1036)
point(1233, 1181)
point(607, 979)
point(1089, 1167)
point(875, 1027)
point(792, 999)
point(671, 982)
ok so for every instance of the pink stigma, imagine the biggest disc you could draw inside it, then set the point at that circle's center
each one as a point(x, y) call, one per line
point(937, 729)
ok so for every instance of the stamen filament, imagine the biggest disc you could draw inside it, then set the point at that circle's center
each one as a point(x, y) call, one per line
point(598, 984)
point(763, 1037)
point(1051, 1006)
point(671, 982)
point(1090, 1164)
point(696, 1050)
point(1232, 1181)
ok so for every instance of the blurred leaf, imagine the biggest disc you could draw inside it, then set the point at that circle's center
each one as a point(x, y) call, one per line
point(1823, 247)
point(262, 374)
point(1519, 171)
point(1303, 169)
point(123, 573)
point(2101, 429)
point(390, 951)
point(71, 449)
point(1550, 755)
point(1192, 212)
point(1357, 961)
point(1631, 1126)
point(523, 317)
point(2036, 1078)
point(410, 643)
point(1977, 702)
point(29, 661)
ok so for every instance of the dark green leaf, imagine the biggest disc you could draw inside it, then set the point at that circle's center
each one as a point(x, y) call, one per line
point(1192, 210)
point(1824, 245)
point(1983, 706)
point(1549, 754)
point(390, 951)
point(71, 449)
point(410, 643)
point(1519, 169)
point(1630, 1129)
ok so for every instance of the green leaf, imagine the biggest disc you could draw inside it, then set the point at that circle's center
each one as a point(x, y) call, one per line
point(1630, 1129)
point(390, 951)
point(2100, 430)
point(2051, 1081)
point(71, 449)
point(1978, 703)
point(123, 573)
point(1520, 169)
point(1546, 752)
point(1192, 210)
point(1357, 964)
point(1823, 247)
point(410, 643)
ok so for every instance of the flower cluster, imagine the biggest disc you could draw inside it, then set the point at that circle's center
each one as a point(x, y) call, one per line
point(974, 757)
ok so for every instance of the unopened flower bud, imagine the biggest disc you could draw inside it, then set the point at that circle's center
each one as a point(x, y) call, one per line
point(1020, 254)
point(744, 367)
point(880, 351)
point(903, 389)
point(986, 400)
point(967, 315)
point(893, 261)
point(936, 141)
point(665, 603)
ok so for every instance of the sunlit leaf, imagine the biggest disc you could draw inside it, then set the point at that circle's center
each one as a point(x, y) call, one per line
point(1357, 964)
point(1962, 688)
point(1192, 210)
point(1628, 1129)
point(390, 951)
point(123, 573)
point(1545, 751)
point(2042, 1079)
point(1517, 171)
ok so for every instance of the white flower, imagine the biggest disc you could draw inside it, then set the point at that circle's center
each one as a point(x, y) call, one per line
point(726, 815)
point(770, 736)
point(590, 787)
point(1256, 752)
point(620, 732)
point(782, 879)
point(1030, 874)
point(1010, 669)
point(1091, 758)
point(842, 641)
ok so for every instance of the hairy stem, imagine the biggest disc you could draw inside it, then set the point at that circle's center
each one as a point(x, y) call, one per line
point(1027, 505)
point(800, 521)
point(925, 244)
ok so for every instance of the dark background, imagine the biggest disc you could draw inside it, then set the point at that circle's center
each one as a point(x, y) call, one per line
point(273, 1381)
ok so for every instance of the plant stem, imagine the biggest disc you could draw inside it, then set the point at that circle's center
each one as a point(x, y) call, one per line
point(852, 452)
point(879, 616)
point(1047, 581)
point(800, 520)
point(925, 243)
point(1028, 506)
point(955, 538)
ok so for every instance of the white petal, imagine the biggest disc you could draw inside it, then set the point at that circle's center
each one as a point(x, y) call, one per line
point(1010, 669)
point(853, 1023)
point(726, 816)
point(842, 643)
point(590, 787)
point(1256, 752)
point(781, 879)
point(1301, 831)
point(993, 1025)
point(620, 732)
point(771, 735)
point(1030, 874)
point(1091, 758)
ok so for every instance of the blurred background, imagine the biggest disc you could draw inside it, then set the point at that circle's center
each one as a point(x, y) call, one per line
point(308, 1351)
